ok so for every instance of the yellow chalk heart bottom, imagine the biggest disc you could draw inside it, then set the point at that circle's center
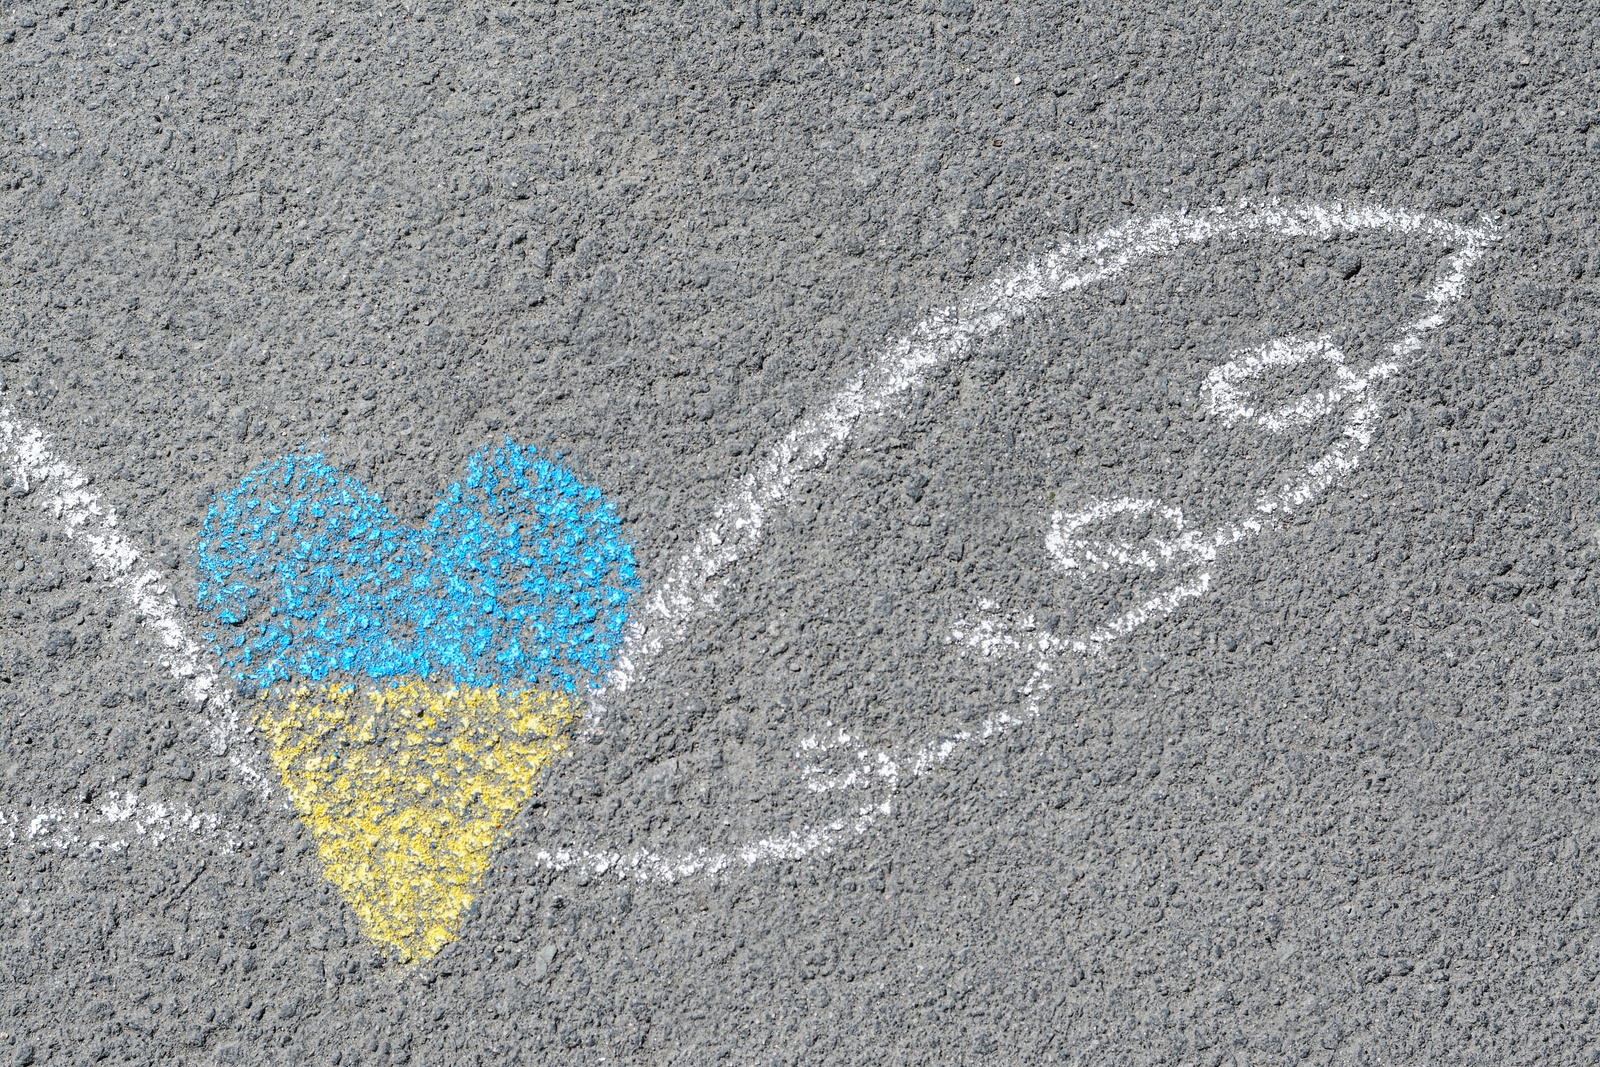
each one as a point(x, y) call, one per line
point(409, 790)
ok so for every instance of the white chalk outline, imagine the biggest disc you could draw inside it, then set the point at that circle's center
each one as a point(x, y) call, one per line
point(1229, 398)
point(63, 491)
point(693, 584)
point(123, 820)
point(1189, 548)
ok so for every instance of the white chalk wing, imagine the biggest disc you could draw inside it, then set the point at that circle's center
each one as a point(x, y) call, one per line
point(1287, 413)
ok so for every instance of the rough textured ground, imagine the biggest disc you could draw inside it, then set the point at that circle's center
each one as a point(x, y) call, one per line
point(1342, 809)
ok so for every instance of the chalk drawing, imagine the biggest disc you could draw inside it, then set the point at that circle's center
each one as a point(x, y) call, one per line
point(833, 760)
point(692, 586)
point(1188, 549)
point(125, 820)
point(64, 493)
point(415, 681)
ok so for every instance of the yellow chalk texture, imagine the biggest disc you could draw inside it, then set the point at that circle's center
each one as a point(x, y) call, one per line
point(409, 790)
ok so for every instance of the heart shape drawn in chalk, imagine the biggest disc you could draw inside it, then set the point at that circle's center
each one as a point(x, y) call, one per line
point(416, 680)
point(520, 578)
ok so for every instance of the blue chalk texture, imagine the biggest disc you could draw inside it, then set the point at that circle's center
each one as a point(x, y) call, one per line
point(520, 579)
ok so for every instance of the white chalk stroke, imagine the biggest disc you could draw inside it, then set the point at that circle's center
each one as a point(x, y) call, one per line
point(63, 493)
point(125, 820)
point(694, 583)
point(833, 760)
point(1184, 551)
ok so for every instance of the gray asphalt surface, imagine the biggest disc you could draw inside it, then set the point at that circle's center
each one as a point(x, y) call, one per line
point(1342, 809)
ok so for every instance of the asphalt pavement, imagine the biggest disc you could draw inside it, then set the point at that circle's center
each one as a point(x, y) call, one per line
point(1022, 533)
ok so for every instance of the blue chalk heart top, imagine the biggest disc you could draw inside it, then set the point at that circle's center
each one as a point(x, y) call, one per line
point(520, 579)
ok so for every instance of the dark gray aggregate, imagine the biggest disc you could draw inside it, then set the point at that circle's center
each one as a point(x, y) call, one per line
point(1341, 810)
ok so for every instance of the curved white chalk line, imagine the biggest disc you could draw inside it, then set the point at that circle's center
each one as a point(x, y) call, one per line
point(1190, 548)
point(695, 581)
point(64, 493)
point(693, 585)
point(1230, 399)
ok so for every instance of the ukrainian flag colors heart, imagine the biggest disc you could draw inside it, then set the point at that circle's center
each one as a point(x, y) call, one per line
point(415, 681)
